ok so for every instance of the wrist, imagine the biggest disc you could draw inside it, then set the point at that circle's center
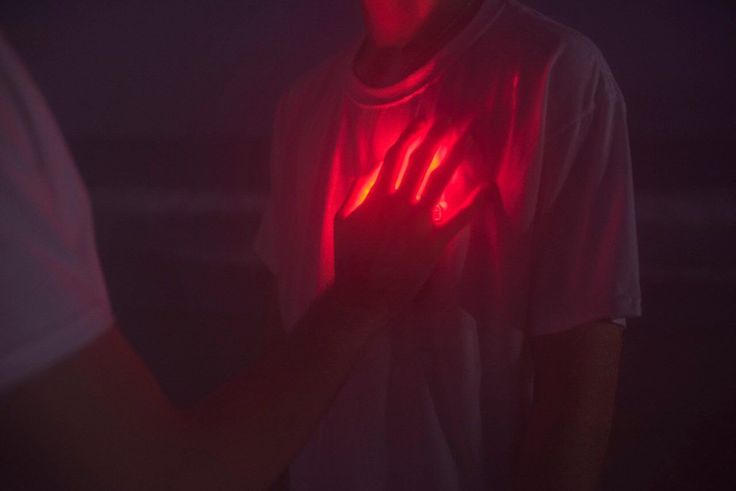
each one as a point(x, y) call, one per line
point(344, 318)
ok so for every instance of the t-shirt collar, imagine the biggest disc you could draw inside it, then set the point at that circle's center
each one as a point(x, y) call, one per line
point(417, 80)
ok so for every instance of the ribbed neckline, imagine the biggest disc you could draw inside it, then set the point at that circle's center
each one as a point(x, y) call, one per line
point(417, 80)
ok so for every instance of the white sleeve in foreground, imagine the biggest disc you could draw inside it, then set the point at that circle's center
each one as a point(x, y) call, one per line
point(53, 298)
point(56, 345)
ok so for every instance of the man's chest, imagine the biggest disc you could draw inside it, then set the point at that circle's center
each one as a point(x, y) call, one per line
point(324, 159)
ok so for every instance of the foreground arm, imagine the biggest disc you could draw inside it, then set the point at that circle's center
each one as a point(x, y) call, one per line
point(99, 421)
point(102, 422)
point(575, 376)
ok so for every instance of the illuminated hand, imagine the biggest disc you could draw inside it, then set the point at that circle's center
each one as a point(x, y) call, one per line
point(388, 235)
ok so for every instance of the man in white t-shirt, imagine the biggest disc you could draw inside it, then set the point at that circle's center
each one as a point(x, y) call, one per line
point(536, 289)
point(78, 409)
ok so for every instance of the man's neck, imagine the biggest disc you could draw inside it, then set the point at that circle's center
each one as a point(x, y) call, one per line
point(402, 35)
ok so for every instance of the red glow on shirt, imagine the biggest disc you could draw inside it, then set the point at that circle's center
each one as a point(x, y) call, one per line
point(507, 178)
point(522, 102)
point(459, 187)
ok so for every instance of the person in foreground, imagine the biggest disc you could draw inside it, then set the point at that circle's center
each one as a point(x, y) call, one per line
point(77, 404)
point(502, 373)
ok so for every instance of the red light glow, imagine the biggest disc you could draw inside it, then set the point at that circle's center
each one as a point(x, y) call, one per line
point(405, 164)
point(439, 156)
point(362, 188)
point(457, 189)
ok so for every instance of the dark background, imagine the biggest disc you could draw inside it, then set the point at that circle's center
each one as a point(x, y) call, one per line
point(167, 107)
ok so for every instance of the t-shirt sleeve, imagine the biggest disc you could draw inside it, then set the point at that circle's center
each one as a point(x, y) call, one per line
point(53, 299)
point(585, 257)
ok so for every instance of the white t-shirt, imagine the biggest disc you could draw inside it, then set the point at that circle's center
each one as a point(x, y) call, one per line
point(438, 401)
point(53, 298)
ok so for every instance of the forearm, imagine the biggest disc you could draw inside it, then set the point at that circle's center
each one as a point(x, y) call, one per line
point(564, 452)
point(100, 421)
point(255, 425)
point(566, 437)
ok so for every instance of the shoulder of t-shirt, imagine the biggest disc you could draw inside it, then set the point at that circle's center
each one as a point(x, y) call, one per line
point(539, 35)
point(577, 74)
point(308, 92)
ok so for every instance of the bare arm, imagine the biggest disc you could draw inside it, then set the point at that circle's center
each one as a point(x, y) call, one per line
point(101, 415)
point(99, 421)
point(575, 376)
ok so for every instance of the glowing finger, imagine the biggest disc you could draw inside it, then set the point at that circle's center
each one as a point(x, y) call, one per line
point(433, 165)
point(361, 190)
point(405, 164)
